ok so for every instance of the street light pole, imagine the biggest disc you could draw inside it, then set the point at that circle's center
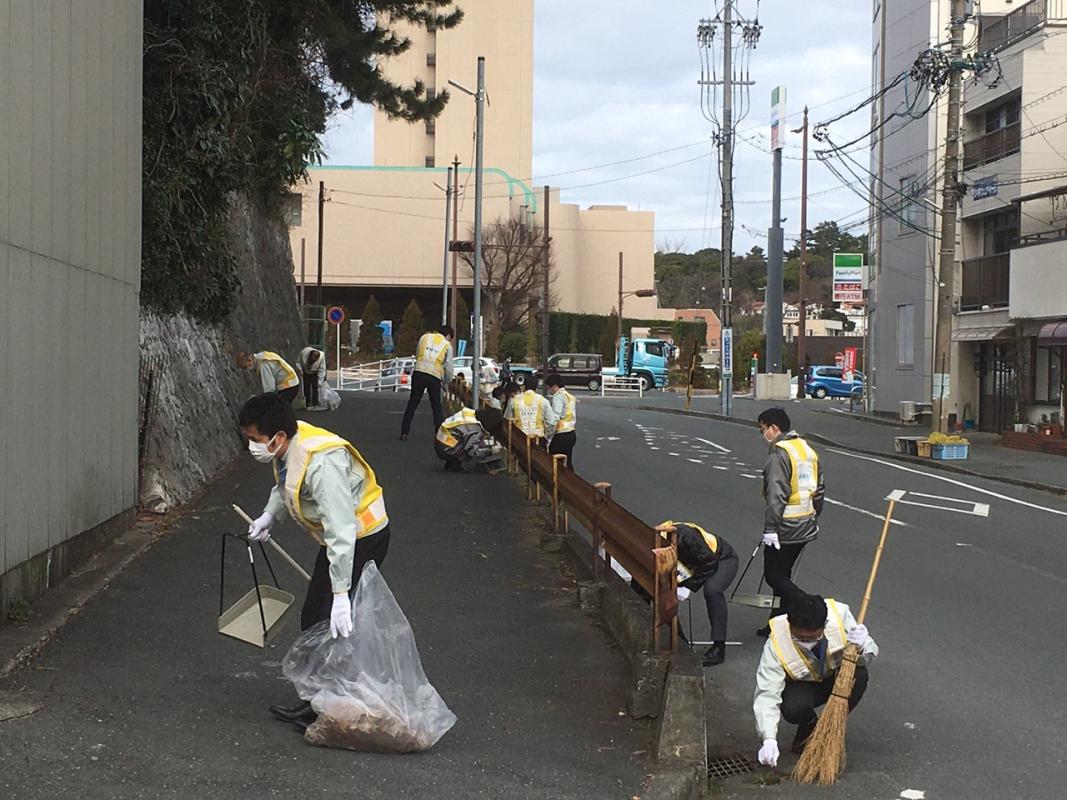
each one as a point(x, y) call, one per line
point(479, 134)
point(620, 297)
point(444, 268)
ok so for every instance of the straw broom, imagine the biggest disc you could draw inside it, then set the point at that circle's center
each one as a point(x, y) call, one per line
point(823, 758)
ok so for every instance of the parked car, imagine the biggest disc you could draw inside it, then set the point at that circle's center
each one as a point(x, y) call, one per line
point(826, 381)
point(462, 365)
point(575, 369)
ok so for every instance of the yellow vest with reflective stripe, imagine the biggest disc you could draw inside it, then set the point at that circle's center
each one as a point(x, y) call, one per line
point(465, 416)
point(290, 380)
point(803, 480)
point(431, 353)
point(797, 662)
point(567, 418)
point(709, 539)
point(528, 413)
point(308, 441)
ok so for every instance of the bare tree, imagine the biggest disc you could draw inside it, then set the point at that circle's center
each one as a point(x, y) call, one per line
point(512, 276)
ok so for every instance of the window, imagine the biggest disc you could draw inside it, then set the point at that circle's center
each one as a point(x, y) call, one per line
point(431, 59)
point(999, 232)
point(431, 126)
point(832, 372)
point(429, 161)
point(431, 93)
point(654, 348)
point(909, 203)
point(906, 336)
point(1003, 116)
point(1047, 371)
point(563, 362)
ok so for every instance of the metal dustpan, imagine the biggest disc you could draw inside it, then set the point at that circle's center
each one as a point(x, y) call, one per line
point(757, 599)
point(259, 615)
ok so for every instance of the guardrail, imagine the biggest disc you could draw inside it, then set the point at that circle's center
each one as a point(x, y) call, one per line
point(650, 557)
point(617, 383)
point(376, 375)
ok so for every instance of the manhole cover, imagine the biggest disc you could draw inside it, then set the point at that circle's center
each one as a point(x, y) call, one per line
point(729, 766)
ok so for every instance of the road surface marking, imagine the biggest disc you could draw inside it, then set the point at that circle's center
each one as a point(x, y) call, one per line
point(673, 454)
point(748, 475)
point(718, 447)
point(864, 511)
point(964, 544)
point(716, 466)
point(653, 448)
point(695, 460)
point(912, 794)
point(977, 509)
point(999, 496)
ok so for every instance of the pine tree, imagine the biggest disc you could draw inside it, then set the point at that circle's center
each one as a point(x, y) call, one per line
point(572, 344)
point(412, 326)
point(370, 344)
point(608, 338)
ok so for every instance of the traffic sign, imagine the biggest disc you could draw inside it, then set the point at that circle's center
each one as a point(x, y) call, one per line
point(336, 315)
point(839, 358)
point(726, 358)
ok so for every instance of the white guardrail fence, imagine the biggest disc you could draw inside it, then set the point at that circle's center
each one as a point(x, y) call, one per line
point(615, 383)
point(392, 374)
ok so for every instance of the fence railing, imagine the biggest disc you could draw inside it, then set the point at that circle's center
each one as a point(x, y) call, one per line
point(986, 282)
point(650, 557)
point(1001, 30)
point(616, 383)
point(391, 374)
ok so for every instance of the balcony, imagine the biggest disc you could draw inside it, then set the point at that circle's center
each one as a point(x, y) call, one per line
point(991, 147)
point(999, 31)
point(985, 282)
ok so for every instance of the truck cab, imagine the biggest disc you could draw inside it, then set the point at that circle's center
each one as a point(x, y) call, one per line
point(647, 359)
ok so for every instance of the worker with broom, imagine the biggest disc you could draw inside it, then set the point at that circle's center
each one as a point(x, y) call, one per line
point(330, 490)
point(798, 667)
point(793, 488)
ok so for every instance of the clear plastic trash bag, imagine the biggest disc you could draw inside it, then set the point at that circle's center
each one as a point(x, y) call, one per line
point(369, 690)
point(328, 396)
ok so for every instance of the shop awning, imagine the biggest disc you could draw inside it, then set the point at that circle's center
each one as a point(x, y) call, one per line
point(985, 334)
point(1054, 334)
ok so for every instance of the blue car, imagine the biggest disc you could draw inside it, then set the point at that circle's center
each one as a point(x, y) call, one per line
point(826, 382)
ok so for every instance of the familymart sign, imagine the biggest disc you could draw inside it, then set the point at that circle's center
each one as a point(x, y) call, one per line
point(848, 278)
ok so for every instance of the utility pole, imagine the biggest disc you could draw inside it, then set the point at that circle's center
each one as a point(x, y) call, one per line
point(444, 267)
point(947, 261)
point(322, 206)
point(619, 335)
point(455, 236)
point(775, 242)
point(870, 340)
point(302, 274)
point(479, 138)
point(802, 371)
point(546, 261)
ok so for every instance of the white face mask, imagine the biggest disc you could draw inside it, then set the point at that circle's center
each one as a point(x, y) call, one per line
point(261, 451)
point(809, 646)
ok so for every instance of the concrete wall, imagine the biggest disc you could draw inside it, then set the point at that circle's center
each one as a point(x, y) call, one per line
point(503, 33)
point(1039, 281)
point(70, 203)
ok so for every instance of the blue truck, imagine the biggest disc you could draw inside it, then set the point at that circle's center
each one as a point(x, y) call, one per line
point(647, 359)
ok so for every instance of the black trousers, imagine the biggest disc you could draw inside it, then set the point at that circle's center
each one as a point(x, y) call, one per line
point(714, 589)
point(421, 382)
point(288, 395)
point(311, 388)
point(318, 603)
point(563, 443)
point(801, 698)
point(778, 572)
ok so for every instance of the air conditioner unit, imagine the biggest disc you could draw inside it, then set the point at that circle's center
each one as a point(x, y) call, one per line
point(907, 411)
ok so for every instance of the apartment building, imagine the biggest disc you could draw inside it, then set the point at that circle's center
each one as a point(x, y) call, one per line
point(1011, 323)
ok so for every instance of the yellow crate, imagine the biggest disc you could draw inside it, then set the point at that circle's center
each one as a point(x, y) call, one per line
point(922, 448)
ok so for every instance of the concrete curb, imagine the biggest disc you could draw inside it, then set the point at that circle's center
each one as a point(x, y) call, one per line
point(914, 460)
point(19, 644)
point(669, 688)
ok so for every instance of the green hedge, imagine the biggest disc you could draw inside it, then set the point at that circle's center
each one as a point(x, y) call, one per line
point(582, 333)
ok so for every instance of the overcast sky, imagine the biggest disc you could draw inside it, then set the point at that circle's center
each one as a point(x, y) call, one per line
point(616, 79)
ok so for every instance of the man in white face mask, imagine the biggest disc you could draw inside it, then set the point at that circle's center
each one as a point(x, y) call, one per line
point(799, 665)
point(330, 490)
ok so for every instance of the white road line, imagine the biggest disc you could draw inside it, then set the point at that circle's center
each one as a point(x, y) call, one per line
point(718, 447)
point(747, 475)
point(695, 460)
point(865, 512)
point(953, 481)
point(673, 454)
point(716, 466)
point(975, 509)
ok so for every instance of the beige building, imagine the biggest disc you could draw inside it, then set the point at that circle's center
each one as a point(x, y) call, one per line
point(70, 260)
point(384, 223)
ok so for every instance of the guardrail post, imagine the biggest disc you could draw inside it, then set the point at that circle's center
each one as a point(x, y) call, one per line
point(529, 466)
point(673, 539)
point(555, 490)
point(603, 494)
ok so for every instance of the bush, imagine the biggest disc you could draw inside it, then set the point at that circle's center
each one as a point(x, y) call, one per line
point(370, 344)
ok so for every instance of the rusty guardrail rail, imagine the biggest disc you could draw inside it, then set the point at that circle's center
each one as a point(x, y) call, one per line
point(650, 557)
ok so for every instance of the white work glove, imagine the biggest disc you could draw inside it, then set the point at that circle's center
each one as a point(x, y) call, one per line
point(858, 636)
point(259, 530)
point(771, 540)
point(341, 616)
point(683, 594)
point(768, 754)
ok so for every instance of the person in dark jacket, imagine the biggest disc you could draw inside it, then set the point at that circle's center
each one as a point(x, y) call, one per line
point(708, 563)
point(793, 488)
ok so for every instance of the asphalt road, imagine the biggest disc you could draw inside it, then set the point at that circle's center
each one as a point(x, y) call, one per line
point(966, 700)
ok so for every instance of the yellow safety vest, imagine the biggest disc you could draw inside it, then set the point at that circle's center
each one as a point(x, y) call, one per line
point(798, 662)
point(465, 416)
point(709, 539)
point(290, 379)
point(567, 418)
point(804, 479)
point(431, 354)
point(308, 441)
point(528, 413)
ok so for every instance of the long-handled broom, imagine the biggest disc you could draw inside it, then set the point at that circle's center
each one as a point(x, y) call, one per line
point(823, 758)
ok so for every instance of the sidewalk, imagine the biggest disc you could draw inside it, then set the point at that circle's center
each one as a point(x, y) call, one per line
point(143, 699)
point(829, 422)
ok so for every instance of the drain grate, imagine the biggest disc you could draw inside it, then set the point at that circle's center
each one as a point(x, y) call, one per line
point(729, 766)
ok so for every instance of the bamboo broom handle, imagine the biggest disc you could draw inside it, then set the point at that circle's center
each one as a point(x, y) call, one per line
point(877, 558)
point(275, 545)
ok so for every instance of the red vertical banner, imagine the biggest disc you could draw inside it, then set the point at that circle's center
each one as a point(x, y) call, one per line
point(848, 368)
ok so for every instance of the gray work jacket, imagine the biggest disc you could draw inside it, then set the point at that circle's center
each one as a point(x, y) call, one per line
point(777, 480)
